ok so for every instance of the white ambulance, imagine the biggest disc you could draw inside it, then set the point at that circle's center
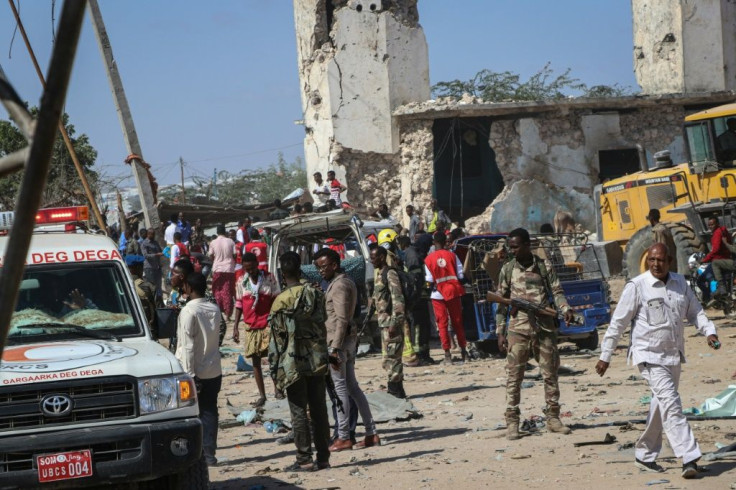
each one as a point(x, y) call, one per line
point(87, 396)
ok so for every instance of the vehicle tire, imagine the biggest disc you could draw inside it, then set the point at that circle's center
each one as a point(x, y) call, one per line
point(196, 477)
point(686, 241)
point(590, 343)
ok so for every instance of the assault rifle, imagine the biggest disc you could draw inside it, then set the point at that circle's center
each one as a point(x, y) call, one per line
point(331, 391)
point(524, 305)
point(367, 319)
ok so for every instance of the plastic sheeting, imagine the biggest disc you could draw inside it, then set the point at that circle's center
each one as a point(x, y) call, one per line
point(722, 405)
point(384, 408)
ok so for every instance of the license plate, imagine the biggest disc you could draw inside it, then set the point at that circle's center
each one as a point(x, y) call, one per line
point(64, 466)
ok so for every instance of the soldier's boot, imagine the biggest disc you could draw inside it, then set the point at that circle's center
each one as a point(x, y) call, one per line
point(554, 424)
point(402, 393)
point(396, 388)
point(512, 426)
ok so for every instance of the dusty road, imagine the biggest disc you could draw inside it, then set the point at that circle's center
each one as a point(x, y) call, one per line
point(455, 443)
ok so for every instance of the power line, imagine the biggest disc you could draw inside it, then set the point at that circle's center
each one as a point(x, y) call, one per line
point(212, 159)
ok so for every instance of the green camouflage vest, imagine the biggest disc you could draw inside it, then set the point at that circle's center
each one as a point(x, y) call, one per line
point(298, 345)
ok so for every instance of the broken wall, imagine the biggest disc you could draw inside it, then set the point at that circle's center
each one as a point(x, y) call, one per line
point(531, 203)
point(559, 150)
point(358, 61)
point(684, 46)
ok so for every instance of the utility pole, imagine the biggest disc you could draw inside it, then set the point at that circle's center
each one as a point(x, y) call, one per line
point(183, 190)
point(214, 184)
point(140, 173)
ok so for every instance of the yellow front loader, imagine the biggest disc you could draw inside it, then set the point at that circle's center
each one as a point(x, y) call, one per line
point(686, 194)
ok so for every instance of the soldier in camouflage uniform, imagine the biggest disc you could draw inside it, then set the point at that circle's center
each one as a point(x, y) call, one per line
point(145, 290)
point(297, 352)
point(526, 276)
point(390, 313)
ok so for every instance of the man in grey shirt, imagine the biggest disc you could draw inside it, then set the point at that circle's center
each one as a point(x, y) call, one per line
point(415, 222)
point(340, 300)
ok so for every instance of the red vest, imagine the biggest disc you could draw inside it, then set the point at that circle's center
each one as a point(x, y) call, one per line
point(239, 252)
point(260, 250)
point(183, 251)
point(441, 265)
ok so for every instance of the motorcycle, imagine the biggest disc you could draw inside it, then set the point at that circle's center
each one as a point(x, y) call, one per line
point(704, 285)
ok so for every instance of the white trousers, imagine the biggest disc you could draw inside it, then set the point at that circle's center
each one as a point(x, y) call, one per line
point(665, 412)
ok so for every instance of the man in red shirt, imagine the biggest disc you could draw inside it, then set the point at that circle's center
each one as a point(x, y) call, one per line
point(718, 251)
point(256, 291)
point(336, 188)
point(443, 268)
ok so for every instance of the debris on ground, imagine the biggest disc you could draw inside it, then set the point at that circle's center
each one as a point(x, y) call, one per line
point(609, 439)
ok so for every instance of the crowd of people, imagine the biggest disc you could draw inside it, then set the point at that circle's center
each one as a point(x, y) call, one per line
point(307, 333)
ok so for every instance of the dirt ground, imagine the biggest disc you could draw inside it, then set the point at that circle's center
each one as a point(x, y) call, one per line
point(457, 441)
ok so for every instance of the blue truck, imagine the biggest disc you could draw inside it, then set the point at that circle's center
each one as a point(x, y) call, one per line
point(576, 266)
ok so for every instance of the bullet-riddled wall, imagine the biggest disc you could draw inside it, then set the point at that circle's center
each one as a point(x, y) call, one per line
point(684, 46)
point(358, 61)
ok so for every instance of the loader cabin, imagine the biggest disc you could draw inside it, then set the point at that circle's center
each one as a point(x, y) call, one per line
point(710, 136)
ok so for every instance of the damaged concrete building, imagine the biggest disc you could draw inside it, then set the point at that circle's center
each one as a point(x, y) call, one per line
point(364, 72)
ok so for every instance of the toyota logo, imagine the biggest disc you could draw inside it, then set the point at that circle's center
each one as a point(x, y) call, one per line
point(56, 405)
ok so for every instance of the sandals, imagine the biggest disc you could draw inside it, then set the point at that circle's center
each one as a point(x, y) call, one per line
point(258, 403)
point(279, 395)
point(235, 339)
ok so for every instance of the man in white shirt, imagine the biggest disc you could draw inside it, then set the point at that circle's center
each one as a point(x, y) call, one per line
point(321, 189)
point(656, 302)
point(198, 351)
point(170, 230)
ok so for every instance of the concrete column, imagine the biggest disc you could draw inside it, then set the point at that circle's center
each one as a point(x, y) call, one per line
point(358, 61)
point(684, 46)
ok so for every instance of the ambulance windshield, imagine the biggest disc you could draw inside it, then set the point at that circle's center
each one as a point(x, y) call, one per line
point(71, 301)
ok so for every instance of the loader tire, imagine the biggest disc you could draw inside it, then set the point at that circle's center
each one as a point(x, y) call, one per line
point(686, 241)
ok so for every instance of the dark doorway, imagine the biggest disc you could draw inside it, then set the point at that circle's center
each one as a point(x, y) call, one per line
point(617, 163)
point(466, 177)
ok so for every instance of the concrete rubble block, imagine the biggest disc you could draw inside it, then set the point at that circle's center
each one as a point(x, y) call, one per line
point(604, 256)
point(530, 203)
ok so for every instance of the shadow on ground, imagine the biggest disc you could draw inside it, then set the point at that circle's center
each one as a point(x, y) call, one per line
point(449, 391)
point(372, 462)
point(413, 435)
point(251, 482)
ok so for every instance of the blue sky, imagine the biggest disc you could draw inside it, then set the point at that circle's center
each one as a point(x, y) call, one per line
point(216, 82)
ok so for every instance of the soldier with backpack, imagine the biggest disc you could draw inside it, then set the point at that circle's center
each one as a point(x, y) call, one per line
point(388, 298)
point(444, 270)
point(388, 239)
point(297, 353)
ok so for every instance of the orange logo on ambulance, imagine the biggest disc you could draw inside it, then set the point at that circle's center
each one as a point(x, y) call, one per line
point(42, 358)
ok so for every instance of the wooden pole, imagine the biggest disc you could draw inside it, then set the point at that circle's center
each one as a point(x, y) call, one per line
point(140, 173)
point(34, 177)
